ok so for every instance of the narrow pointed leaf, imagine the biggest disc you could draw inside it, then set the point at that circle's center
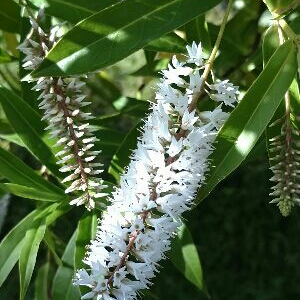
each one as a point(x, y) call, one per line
point(31, 193)
point(171, 42)
point(27, 124)
point(30, 247)
point(86, 231)
point(11, 245)
point(185, 258)
point(9, 16)
point(116, 32)
point(62, 288)
point(41, 282)
point(248, 121)
point(73, 10)
point(13, 169)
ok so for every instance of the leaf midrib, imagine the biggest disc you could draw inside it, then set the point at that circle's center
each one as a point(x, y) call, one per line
point(74, 5)
point(121, 28)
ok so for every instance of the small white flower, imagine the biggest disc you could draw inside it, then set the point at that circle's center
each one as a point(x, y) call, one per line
point(195, 54)
point(61, 100)
point(159, 184)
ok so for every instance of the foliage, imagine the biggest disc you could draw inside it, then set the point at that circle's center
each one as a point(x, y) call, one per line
point(122, 46)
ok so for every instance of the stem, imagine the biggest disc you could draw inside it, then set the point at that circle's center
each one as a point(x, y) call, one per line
point(63, 106)
point(212, 57)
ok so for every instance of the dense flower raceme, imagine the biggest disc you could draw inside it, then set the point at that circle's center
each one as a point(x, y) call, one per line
point(62, 100)
point(159, 184)
point(285, 167)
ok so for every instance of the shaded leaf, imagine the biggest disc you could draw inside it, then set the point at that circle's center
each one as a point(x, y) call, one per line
point(122, 157)
point(73, 10)
point(41, 282)
point(30, 247)
point(27, 124)
point(9, 16)
point(11, 245)
point(5, 57)
point(197, 30)
point(86, 231)
point(171, 42)
point(13, 169)
point(62, 288)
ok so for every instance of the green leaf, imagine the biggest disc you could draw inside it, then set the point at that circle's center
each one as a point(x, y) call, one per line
point(109, 141)
point(185, 258)
point(62, 288)
point(281, 6)
point(171, 42)
point(73, 10)
point(86, 231)
point(30, 247)
point(12, 138)
point(13, 169)
point(41, 282)
point(27, 124)
point(248, 121)
point(5, 57)
point(9, 16)
point(31, 193)
point(11, 245)
point(270, 43)
point(122, 157)
point(117, 32)
point(197, 30)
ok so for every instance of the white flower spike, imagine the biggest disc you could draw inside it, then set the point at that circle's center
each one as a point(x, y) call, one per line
point(158, 186)
point(62, 100)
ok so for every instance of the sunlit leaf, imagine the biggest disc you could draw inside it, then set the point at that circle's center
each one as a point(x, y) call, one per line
point(117, 32)
point(248, 121)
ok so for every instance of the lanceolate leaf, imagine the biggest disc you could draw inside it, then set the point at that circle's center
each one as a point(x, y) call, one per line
point(171, 42)
point(13, 169)
point(73, 10)
point(86, 232)
point(281, 6)
point(32, 193)
point(116, 32)
point(9, 16)
point(248, 121)
point(184, 256)
point(270, 43)
point(27, 124)
point(41, 282)
point(5, 57)
point(11, 245)
point(30, 246)
point(62, 288)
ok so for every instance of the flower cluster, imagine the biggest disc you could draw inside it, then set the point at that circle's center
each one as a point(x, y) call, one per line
point(159, 184)
point(62, 101)
point(285, 165)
